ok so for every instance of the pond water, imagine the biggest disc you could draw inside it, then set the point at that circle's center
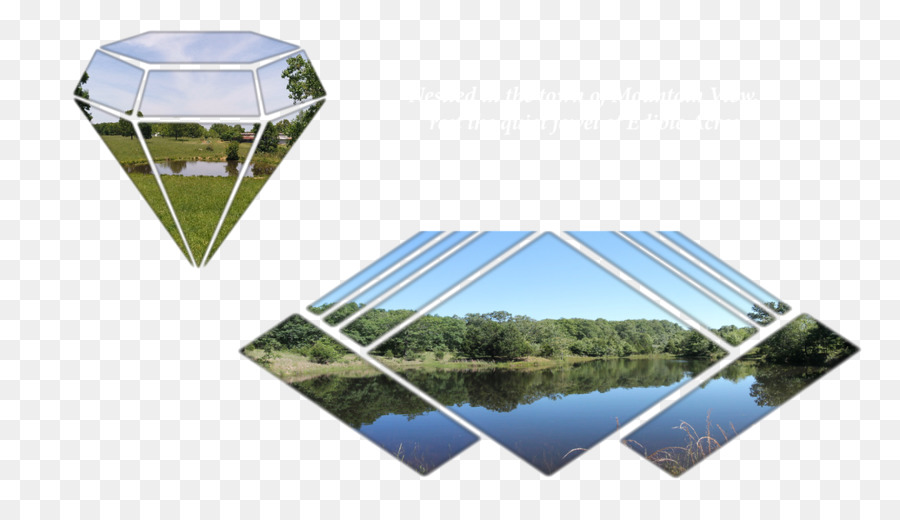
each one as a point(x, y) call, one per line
point(733, 400)
point(390, 416)
point(200, 168)
point(549, 416)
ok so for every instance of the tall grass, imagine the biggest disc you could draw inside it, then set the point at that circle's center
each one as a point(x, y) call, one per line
point(697, 446)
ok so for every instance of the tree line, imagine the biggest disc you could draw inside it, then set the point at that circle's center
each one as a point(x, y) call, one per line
point(268, 142)
point(502, 336)
point(803, 341)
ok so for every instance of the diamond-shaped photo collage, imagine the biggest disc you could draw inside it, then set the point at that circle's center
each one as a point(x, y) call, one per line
point(199, 121)
point(549, 344)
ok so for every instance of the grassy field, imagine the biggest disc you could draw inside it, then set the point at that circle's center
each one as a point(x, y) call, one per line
point(292, 367)
point(146, 184)
point(199, 203)
point(128, 150)
point(250, 187)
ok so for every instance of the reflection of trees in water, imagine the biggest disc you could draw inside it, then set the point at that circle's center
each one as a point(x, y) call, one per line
point(232, 167)
point(258, 169)
point(503, 390)
point(773, 384)
point(359, 401)
point(176, 166)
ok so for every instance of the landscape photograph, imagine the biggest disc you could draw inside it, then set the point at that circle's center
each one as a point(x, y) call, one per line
point(547, 353)
point(659, 268)
point(739, 395)
point(359, 395)
point(199, 163)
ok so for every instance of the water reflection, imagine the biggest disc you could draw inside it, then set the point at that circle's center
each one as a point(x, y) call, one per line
point(201, 168)
point(551, 415)
point(391, 417)
point(718, 410)
point(190, 168)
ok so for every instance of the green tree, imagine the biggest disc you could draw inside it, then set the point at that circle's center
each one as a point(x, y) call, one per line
point(324, 351)
point(303, 119)
point(493, 335)
point(303, 83)
point(759, 315)
point(268, 141)
point(231, 151)
point(82, 92)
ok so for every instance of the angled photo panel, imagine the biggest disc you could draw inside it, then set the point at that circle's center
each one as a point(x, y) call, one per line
point(287, 82)
point(733, 328)
point(728, 272)
point(547, 353)
point(375, 321)
point(200, 93)
point(408, 269)
point(370, 273)
point(737, 301)
point(109, 82)
point(359, 395)
point(124, 142)
point(277, 140)
point(745, 391)
point(200, 47)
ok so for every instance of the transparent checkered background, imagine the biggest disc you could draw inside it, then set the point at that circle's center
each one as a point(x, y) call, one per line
point(122, 394)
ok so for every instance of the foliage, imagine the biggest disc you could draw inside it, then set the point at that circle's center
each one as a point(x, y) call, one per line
point(268, 142)
point(231, 151)
point(804, 342)
point(225, 132)
point(499, 335)
point(180, 130)
point(324, 351)
point(80, 91)
point(301, 121)
point(303, 83)
point(269, 348)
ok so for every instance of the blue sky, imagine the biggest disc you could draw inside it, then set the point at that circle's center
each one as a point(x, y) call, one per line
point(421, 260)
point(450, 272)
point(379, 266)
point(661, 280)
point(684, 265)
point(200, 93)
point(113, 82)
point(274, 87)
point(102, 117)
point(719, 266)
point(550, 279)
point(200, 47)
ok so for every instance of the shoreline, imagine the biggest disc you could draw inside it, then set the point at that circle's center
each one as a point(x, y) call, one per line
point(293, 367)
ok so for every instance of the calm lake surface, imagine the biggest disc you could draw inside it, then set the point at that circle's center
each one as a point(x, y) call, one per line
point(200, 168)
point(391, 417)
point(734, 399)
point(542, 414)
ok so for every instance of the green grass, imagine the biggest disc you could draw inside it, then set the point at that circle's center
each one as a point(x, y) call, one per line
point(146, 184)
point(199, 203)
point(697, 446)
point(250, 187)
point(292, 367)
